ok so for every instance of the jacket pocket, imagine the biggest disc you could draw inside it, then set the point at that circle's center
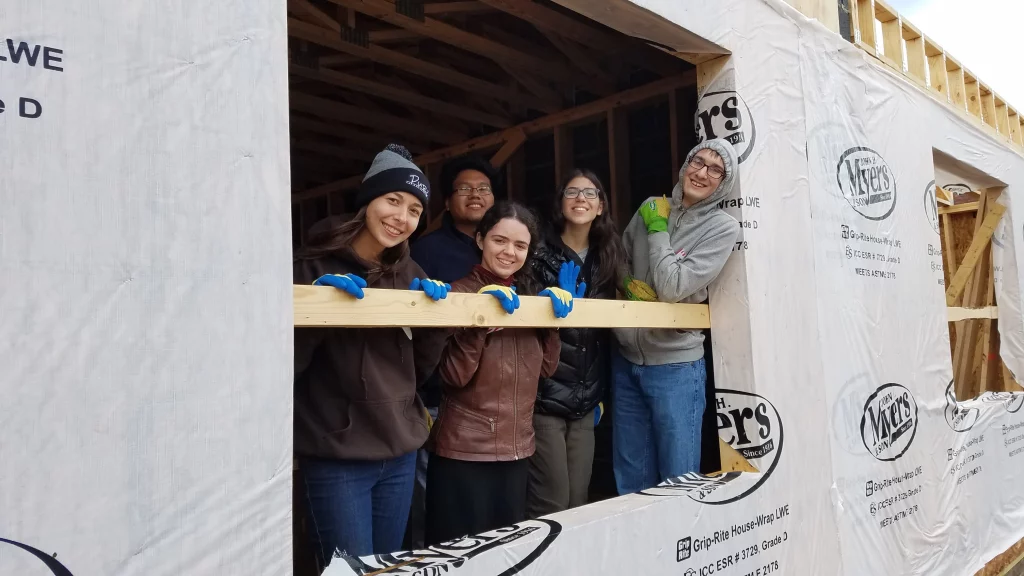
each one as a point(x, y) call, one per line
point(466, 418)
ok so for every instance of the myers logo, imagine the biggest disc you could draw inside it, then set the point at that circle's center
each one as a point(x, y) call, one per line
point(960, 419)
point(1012, 401)
point(889, 423)
point(750, 424)
point(958, 189)
point(867, 183)
point(724, 114)
point(443, 558)
point(931, 207)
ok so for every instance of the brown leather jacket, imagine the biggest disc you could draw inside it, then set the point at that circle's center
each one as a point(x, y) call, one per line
point(490, 385)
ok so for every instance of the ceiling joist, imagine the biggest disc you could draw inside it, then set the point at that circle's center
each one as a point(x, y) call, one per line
point(324, 37)
point(371, 119)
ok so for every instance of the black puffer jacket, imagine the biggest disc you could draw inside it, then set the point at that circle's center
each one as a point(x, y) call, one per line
point(584, 365)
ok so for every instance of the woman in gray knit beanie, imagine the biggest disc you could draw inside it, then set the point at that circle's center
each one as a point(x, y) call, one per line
point(358, 419)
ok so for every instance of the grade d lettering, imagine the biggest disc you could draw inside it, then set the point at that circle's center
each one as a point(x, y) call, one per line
point(868, 176)
point(27, 108)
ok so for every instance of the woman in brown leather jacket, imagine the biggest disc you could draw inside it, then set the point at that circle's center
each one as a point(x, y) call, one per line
point(477, 477)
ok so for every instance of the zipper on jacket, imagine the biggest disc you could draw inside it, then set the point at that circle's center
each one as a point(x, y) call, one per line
point(515, 397)
point(491, 422)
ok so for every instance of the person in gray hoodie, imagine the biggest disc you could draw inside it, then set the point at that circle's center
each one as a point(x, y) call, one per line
point(675, 248)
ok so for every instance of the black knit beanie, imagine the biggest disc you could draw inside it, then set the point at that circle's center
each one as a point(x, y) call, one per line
point(392, 170)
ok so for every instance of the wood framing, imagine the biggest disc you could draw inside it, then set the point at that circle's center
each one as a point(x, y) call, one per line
point(320, 306)
point(544, 124)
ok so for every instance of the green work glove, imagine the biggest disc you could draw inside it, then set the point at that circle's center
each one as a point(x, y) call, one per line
point(655, 214)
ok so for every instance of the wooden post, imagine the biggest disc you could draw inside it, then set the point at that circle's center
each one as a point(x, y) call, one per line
point(618, 165)
point(563, 153)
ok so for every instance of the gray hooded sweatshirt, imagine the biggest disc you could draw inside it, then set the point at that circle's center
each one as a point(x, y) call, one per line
point(680, 263)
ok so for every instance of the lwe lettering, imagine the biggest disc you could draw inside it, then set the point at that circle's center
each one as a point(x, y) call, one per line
point(26, 54)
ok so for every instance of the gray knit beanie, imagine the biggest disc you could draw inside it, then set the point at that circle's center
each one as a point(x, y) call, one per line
point(392, 170)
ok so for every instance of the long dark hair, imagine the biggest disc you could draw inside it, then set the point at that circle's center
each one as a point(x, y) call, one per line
point(526, 284)
point(604, 234)
point(337, 233)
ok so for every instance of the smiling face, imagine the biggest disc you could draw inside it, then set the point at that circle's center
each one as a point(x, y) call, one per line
point(505, 247)
point(697, 182)
point(469, 208)
point(390, 220)
point(581, 210)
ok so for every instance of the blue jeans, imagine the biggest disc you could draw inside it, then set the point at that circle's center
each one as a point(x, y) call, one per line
point(656, 421)
point(357, 507)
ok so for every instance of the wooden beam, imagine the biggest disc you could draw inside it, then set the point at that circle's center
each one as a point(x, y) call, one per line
point(407, 97)
point(592, 37)
point(354, 133)
point(595, 108)
point(534, 86)
point(948, 254)
point(321, 306)
point(362, 117)
point(917, 62)
point(440, 8)
point(981, 239)
point(328, 149)
point(938, 77)
point(673, 132)
point(412, 65)
point(443, 32)
point(579, 56)
point(312, 14)
point(394, 35)
point(516, 139)
point(973, 92)
point(955, 82)
point(959, 208)
point(958, 314)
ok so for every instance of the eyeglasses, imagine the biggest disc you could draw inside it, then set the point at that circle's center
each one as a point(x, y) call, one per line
point(588, 193)
point(484, 190)
point(713, 171)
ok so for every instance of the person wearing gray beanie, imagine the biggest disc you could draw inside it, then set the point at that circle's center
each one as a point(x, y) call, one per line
point(675, 247)
point(393, 170)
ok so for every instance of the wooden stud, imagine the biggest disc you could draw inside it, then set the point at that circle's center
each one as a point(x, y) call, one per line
point(955, 82)
point(708, 71)
point(865, 32)
point(943, 197)
point(673, 127)
point(407, 97)
point(1013, 120)
point(515, 141)
point(959, 208)
point(412, 65)
point(973, 91)
point(563, 153)
point(959, 314)
point(1002, 117)
point(917, 62)
point(595, 108)
point(974, 253)
point(618, 165)
point(948, 254)
point(395, 35)
point(321, 306)
point(892, 34)
point(515, 171)
point(937, 79)
point(988, 106)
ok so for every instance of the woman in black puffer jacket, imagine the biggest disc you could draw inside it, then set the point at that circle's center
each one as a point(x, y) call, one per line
point(568, 403)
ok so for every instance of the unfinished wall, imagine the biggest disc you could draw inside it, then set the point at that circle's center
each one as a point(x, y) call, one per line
point(145, 306)
point(831, 314)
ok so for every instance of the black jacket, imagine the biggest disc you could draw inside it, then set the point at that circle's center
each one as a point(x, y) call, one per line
point(584, 365)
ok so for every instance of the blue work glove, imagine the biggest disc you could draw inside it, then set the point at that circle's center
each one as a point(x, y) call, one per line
point(436, 289)
point(598, 412)
point(506, 296)
point(345, 282)
point(561, 300)
point(567, 276)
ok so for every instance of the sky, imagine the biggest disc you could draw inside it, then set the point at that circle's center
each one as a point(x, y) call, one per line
point(985, 36)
